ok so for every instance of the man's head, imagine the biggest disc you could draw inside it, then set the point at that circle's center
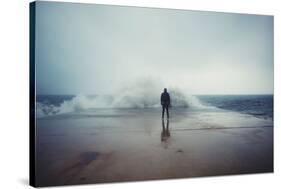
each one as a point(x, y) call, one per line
point(165, 90)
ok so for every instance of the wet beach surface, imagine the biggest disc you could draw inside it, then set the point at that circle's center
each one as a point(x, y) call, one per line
point(132, 145)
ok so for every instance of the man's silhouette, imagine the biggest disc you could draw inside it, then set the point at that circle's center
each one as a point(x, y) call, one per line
point(165, 102)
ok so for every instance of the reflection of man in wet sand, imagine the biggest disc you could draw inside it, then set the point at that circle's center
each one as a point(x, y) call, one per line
point(165, 102)
point(165, 134)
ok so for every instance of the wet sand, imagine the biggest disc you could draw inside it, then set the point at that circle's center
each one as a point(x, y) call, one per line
point(114, 146)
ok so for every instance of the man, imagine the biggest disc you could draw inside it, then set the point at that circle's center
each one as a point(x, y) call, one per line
point(165, 102)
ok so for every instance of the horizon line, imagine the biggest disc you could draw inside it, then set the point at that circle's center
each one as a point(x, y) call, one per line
point(188, 94)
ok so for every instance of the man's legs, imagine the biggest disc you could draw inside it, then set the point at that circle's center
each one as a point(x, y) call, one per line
point(165, 107)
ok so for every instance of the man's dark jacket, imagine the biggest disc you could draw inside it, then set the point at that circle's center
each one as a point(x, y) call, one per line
point(165, 99)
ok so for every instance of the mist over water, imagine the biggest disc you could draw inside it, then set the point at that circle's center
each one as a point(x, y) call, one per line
point(141, 94)
point(145, 93)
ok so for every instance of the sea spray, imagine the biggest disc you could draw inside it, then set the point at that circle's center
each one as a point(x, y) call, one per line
point(142, 94)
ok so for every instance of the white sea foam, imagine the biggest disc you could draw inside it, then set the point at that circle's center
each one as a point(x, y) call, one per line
point(145, 94)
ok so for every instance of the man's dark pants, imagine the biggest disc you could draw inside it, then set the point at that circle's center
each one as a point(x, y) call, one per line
point(165, 107)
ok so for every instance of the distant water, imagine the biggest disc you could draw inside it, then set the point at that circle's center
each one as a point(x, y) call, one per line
point(55, 100)
point(257, 105)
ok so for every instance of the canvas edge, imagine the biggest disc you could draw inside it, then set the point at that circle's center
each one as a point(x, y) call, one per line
point(32, 167)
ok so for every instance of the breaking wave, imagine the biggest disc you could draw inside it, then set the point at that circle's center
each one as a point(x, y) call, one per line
point(143, 95)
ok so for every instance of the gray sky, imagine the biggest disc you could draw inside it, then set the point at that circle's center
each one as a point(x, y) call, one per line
point(98, 49)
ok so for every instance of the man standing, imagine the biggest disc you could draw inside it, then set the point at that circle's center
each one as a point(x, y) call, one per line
point(165, 102)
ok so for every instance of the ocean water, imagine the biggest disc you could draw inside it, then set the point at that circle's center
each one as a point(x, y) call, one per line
point(260, 106)
point(257, 105)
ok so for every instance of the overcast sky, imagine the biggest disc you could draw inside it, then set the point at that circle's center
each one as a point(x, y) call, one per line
point(97, 49)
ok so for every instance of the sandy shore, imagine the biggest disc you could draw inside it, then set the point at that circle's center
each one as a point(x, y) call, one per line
point(133, 146)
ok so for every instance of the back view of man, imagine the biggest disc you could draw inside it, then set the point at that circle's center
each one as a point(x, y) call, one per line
point(165, 102)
